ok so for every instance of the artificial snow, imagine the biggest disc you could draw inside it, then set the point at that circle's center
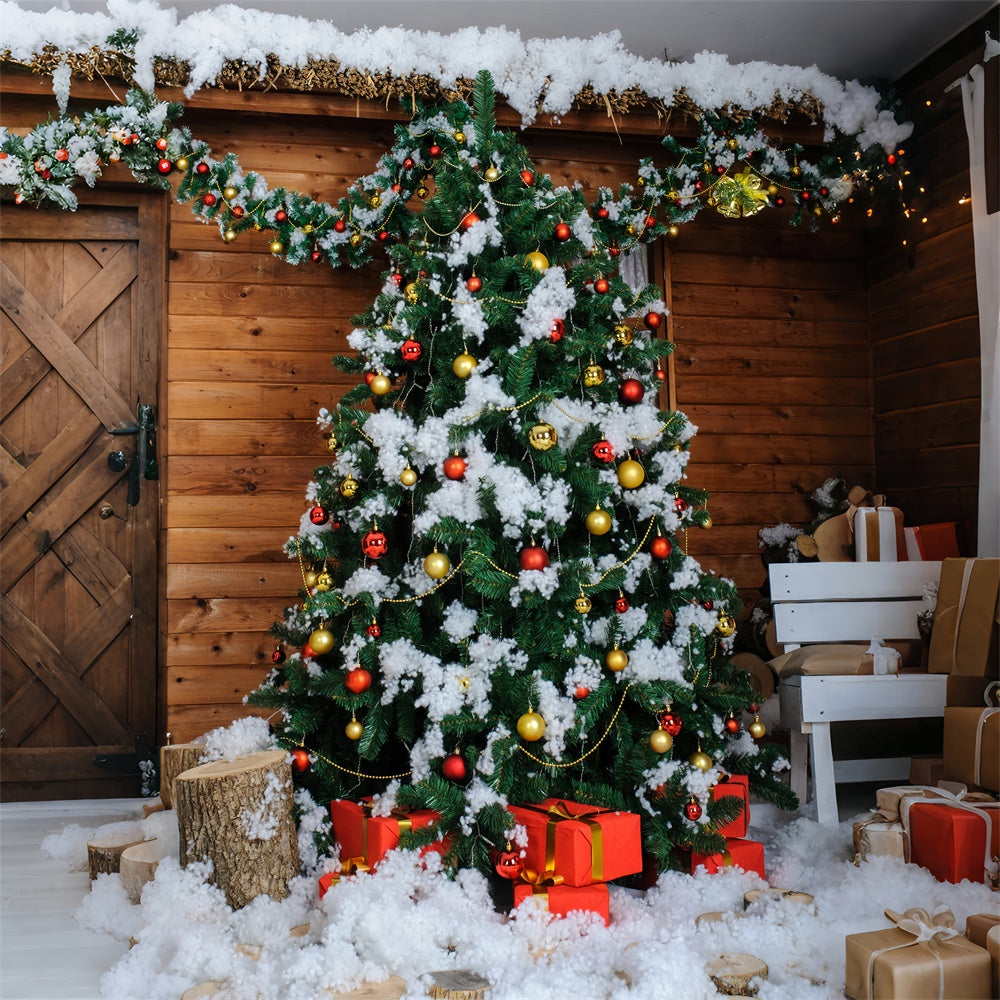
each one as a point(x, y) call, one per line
point(409, 919)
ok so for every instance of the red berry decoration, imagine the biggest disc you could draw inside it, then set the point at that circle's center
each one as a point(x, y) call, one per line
point(357, 680)
point(708, 605)
point(408, 163)
point(509, 864)
point(209, 199)
point(670, 722)
point(558, 331)
point(779, 201)
point(201, 168)
point(563, 232)
point(653, 320)
point(278, 656)
point(374, 630)
point(602, 213)
point(528, 177)
point(660, 547)
point(603, 451)
point(601, 286)
point(732, 724)
point(455, 466)
point(580, 693)
point(165, 166)
point(533, 557)
point(435, 151)
point(300, 760)
point(622, 605)
point(161, 143)
point(339, 226)
point(693, 811)
point(474, 283)
point(374, 544)
point(453, 767)
point(319, 515)
point(411, 350)
point(824, 191)
point(469, 220)
point(631, 391)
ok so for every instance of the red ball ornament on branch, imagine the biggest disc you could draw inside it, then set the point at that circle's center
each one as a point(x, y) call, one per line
point(631, 392)
point(164, 166)
point(660, 547)
point(580, 693)
point(534, 557)
point(732, 725)
point(281, 215)
point(435, 151)
point(509, 864)
point(308, 653)
point(474, 283)
point(300, 760)
point(339, 226)
point(653, 320)
point(202, 168)
point(563, 232)
point(558, 331)
point(528, 177)
point(319, 515)
point(357, 680)
point(408, 163)
point(374, 630)
point(411, 350)
point(453, 767)
point(693, 811)
point(315, 256)
point(278, 656)
point(374, 544)
point(680, 505)
point(622, 605)
point(469, 220)
point(209, 199)
point(670, 722)
point(603, 451)
point(161, 143)
point(602, 286)
point(602, 212)
point(455, 467)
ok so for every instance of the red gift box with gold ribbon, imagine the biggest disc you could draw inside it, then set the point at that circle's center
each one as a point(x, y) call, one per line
point(745, 854)
point(561, 899)
point(370, 838)
point(584, 844)
point(738, 785)
point(349, 867)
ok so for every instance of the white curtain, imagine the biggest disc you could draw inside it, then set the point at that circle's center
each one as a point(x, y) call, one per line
point(986, 232)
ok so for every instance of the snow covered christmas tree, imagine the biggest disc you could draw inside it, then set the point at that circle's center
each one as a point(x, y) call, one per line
point(497, 606)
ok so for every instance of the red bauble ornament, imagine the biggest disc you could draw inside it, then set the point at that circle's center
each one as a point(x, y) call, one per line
point(779, 201)
point(237, 211)
point(455, 466)
point(563, 232)
point(161, 143)
point(533, 557)
point(753, 707)
point(453, 767)
point(435, 151)
point(408, 163)
point(209, 199)
point(580, 693)
point(397, 279)
point(357, 680)
point(805, 196)
point(660, 547)
point(631, 391)
point(165, 166)
point(383, 236)
point(601, 286)
point(315, 256)
point(396, 188)
point(732, 724)
point(528, 177)
point(660, 375)
point(824, 191)
point(308, 653)
point(558, 331)
point(693, 811)
point(653, 320)
point(374, 630)
point(339, 226)
point(680, 505)
point(411, 350)
point(650, 221)
point(602, 213)
point(374, 544)
point(319, 515)
point(670, 722)
point(300, 760)
point(603, 451)
point(202, 168)
point(469, 220)
point(62, 155)
point(622, 605)
point(278, 656)
point(708, 605)
point(509, 864)
point(474, 283)
point(891, 159)
point(281, 215)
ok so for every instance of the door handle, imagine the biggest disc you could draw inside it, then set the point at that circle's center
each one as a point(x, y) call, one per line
point(143, 463)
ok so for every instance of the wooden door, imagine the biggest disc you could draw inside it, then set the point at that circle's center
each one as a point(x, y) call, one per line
point(81, 298)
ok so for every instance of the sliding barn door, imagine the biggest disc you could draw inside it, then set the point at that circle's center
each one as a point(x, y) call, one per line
point(81, 299)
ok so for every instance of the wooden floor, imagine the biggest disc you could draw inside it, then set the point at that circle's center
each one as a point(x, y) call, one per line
point(44, 953)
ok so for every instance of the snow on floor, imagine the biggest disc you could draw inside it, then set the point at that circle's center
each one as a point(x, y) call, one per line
point(59, 940)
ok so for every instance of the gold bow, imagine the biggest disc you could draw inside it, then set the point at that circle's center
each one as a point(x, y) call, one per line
point(349, 867)
point(556, 814)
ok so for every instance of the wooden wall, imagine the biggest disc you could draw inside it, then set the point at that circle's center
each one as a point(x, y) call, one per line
point(924, 312)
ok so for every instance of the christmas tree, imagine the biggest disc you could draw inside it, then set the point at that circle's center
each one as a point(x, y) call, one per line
point(497, 606)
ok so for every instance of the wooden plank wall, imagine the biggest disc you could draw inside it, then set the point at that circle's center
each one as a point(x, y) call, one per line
point(925, 323)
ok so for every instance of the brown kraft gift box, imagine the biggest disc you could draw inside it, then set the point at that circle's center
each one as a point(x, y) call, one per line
point(965, 632)
point(972, 747)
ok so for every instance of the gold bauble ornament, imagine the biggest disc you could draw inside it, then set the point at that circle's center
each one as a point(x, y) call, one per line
point(437, 565)
point(408, 477)
point(673, 230)
point(660, 740)
point(380, 385)
point(459, 137)
point(324, 582)
point(229, 235)
point(630, 229)
point(726, 625)
point(331, 443)
point(542, 437)
point(700, 760)
point(276, 247)
point(321, 640)
point(181, 163)
point(356, 239)
point(796, 170)
point(624, 334)
point(732, 144)
point(631, 474)
point(229, 193)
point(354, 730)
point(411, 293)
point(616, 659)
point(422, 192)
point(375, 200)
point(531, 727)
point(757, 729)
point(491, 174)
point(599, 521)
point(537, 260)
point(706, 521)
point(583, 604)
point(349, 487)
point(772, 189)
point(463, 365)
point(307, 228)
point(593, 375)
point(309, 578)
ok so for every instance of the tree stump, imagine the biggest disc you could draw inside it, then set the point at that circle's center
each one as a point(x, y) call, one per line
point(391, 989)
point(174, 759)
point(458, 984)
point(104, 853)
point(733, 974)
point(238, 815)
point(138, 866)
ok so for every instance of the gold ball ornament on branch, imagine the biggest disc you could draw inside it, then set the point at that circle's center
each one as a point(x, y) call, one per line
point(412, 293)
point(593, 375)
point(631, 474)
point(701, 760)
point(229, 235)
point(537, 260)
point(616, 660)
point(464, 365)
point(726, 625)
point(624, 335)
point(437, 565)
point(408, 477)
point(531, 726)
point(542, 437)
point(660, 741)
point(381, 385)
point(349, 487)
point(229, 192)
point(276, 247)
point(354, 730)
point(324, 582)
point(599, 521)
point(757, 729)
point(321, 640)
point(583, 604)
point(491, 175)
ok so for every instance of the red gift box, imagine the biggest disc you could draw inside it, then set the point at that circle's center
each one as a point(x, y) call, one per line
point(562, 899)
point(954, 842)
point(370, 838)
point(348, 867)
point(738, 784)
point(584, 844)
point(745, 854)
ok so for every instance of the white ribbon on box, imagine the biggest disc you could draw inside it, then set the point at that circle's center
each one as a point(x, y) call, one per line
point(885, 519)
point(885, 659)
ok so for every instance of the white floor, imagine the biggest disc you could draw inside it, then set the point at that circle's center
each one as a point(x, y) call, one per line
point(44, 953)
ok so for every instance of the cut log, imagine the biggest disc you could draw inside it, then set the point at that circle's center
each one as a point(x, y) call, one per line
point(458, 984)
point(138, 866)
point(174, 759)
point(807, 546)
point(790, 895)
point(152, 806)
point(104, 853)
point(734, 974)
point(238, 815)
point(392, 989)
point(210, 989)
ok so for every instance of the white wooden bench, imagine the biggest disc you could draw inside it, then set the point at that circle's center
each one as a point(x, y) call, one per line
point(847, 602)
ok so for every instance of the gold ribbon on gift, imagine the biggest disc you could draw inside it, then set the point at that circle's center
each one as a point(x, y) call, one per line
point(926, 929)
point(404, 823)
point(349, 867)
point(556, 814)
point(540, 883)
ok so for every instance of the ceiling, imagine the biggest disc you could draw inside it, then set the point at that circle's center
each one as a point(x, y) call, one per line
point(850, 39)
